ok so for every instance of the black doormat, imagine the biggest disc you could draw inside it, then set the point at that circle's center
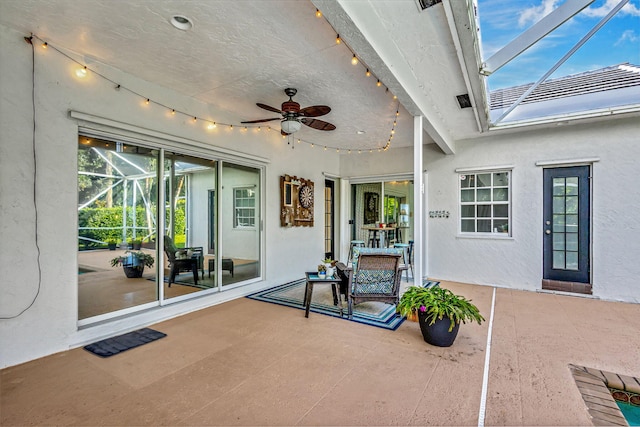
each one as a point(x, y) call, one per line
point(114, 345)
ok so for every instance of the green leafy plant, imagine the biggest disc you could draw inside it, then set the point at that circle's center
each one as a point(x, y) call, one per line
point(322, 268)
point(438, 303)
point(133, 257)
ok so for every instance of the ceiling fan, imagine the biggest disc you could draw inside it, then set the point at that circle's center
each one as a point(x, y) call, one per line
point(293, 117)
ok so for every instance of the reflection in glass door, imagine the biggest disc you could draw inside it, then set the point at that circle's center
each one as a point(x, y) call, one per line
point(240, 224)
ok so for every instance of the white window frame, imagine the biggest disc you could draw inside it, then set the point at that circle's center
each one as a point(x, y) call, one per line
point(236, 218)
point(494, 231)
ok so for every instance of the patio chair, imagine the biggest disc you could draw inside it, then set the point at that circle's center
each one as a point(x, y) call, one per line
point(177, 263)
point(376, 278)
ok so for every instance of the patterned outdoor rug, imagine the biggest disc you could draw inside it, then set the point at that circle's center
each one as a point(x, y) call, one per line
point(372, 313)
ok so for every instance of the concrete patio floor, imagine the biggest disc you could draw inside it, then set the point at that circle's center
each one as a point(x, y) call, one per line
point(247, 362)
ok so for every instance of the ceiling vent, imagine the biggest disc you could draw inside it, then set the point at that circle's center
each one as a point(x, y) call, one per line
point(464, 100)
point(423, 4)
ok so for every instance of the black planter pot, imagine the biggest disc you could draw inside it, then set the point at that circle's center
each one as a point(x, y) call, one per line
point(438, 334)
point(112, 246)
point(133, 272)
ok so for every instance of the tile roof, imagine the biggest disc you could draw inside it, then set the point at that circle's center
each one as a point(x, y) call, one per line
point(605, 79)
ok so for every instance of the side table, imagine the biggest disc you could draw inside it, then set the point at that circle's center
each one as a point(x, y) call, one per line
point(313, 279)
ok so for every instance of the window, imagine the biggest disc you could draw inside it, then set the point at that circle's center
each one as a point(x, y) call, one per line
point(244, 205)
point(485, 202)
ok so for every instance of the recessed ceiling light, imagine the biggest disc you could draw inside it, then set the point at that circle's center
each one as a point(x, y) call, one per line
point(181, 22)
point(361, 132)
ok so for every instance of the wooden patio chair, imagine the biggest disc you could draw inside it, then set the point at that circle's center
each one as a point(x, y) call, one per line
point(376, 278)
point(177, 264)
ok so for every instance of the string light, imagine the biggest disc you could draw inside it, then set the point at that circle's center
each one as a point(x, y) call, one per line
point(82, 72)
point(318, 13)
point(338, 39)
point(368, 73)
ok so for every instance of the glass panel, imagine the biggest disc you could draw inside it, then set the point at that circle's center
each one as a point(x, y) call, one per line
point(367, 210)
point(500, 194)
point(398, 210)
point(501, 179)
point(558, 186)
point(467, 181)
point(500, 226)
point(240, 259)
point(484, 195)
point(484, 180)
point(572, 223)
point(468, 226)
point(558, 260)
point(572, 186)
point(558, 224)
point(190, 228)
point(484, 211)
point(558, 241)
point(558, 204)
point(484, 226)
point(572, 241)
point(468, 211)
point(467, 196)
point(501, 211)
point(572, 261)
point(117, 204)
point(572, 204)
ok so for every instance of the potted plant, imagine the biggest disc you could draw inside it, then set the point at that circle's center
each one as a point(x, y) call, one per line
point(439, 312)
point(330, 266)
point(322, 271)
point(111, 244)
point(133, 263)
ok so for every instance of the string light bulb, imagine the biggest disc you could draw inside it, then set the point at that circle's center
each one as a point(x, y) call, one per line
point(45, 45)
point(81, 72)
point(173, 112)
point(338, 40)
point(354, 60)
point(368, 73)
point(318, 13)
point(378, 84)
point(147, 101)
point(195, 119)
point(211, 126)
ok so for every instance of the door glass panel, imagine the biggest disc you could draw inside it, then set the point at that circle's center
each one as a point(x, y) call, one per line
point(572, 186)
point(558, 204)
point(572, 223)
point(558, 241)
point(240, 224)
point(572, 204)
point(117, 204)
point(572, 241)
point(558, 224)
point(190, 224)
point(572, 261)
point(558, 259)
point(558, 187)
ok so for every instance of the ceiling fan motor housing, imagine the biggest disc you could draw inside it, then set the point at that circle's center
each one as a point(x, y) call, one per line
point(290, 107)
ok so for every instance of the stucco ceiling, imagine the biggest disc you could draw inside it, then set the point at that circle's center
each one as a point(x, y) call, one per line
point(241, 52)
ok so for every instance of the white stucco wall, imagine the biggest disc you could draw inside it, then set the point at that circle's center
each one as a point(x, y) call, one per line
point(517, 262)
point(49, 321)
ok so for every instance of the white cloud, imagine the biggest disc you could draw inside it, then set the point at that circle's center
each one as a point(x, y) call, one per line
point(600, 12)
point(628, 36)
point(533, 14)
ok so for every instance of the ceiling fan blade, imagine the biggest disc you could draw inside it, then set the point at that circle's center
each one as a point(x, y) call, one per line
point(318, 124)
point(315, 111)
point(268, 108)
point(262, 120)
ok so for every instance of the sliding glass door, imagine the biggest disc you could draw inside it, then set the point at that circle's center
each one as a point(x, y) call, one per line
point(203, 214)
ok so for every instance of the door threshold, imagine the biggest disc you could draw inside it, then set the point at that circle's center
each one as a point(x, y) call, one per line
point(569, 287)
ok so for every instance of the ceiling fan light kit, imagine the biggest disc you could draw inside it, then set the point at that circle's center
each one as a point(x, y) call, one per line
point(293, 117)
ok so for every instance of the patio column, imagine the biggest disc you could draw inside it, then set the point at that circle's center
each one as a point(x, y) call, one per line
point(419, 235)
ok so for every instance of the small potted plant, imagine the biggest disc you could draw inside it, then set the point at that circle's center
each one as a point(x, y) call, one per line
point(322, 271)
point(330, 265)
point(439, 312)
point(111, 244)
point(133, 263)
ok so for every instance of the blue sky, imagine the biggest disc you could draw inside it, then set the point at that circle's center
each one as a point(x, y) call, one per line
point(503, 20)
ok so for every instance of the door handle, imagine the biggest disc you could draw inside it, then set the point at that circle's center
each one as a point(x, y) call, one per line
point(547, 231)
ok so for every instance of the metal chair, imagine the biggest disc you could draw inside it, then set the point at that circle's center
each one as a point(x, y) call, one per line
point(405, 255)
point(375, 278)
point(354, 244)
